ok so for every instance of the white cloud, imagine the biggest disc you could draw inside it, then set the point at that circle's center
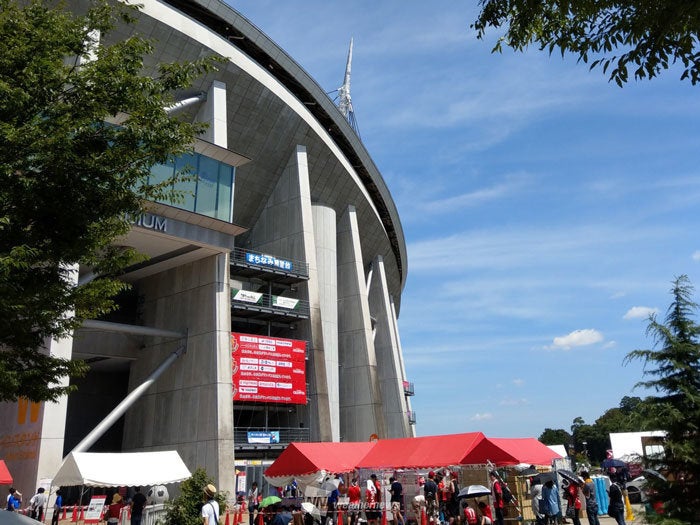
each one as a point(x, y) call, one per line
point(518, 382)
point(584, 337)
point(482, 417)
point(610, 344)
point(492, 248)
point(696, 255)
point(474, 198)
point(640, 312)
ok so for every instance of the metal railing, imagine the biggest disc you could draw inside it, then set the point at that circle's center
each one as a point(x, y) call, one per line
point(267, 303)
point(287, 435)
point(408, 389)
point(411, 417)
point(269, 263)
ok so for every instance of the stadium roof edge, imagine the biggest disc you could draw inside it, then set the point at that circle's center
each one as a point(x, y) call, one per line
point(227, 22)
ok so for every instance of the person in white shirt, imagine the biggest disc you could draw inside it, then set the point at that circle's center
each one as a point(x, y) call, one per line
point(210, 509)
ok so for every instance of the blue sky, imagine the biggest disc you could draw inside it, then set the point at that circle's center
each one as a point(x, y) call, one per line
point(546, 211)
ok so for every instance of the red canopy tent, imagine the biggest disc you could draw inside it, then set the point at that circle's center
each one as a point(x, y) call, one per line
point(5, 476)
point(305, 461)
point(511, 451)
point(421, 452)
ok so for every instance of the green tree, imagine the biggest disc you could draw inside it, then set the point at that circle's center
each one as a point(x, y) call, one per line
point(186, 508)
point(69, 179)
point(555, 436)
point(673, 366)
point(645, 37)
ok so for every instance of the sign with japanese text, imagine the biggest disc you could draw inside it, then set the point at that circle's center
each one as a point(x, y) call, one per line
point(268, 369)
point(267, 260)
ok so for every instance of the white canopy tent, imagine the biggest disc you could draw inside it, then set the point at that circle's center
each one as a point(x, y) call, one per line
point(96, 469)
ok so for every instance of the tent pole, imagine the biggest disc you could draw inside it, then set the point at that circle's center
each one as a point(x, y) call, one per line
point(129, 400)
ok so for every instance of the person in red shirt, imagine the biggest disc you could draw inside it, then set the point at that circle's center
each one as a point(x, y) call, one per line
point(486, 517)
point(573, 502)
point(497, 497)
point(372, 509)
point(114, 510)
point(354, 495)
point(470, 515)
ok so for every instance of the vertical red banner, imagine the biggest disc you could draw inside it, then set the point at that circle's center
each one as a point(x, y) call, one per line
point(268, 369)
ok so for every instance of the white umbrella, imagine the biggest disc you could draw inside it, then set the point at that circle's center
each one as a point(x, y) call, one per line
point(312, 509)
point(474, 491)
point(331, 484)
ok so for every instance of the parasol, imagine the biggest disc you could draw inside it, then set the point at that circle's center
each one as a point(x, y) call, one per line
point(269, 500)
point(474, 491)
point(312, 509)
point(544, 477)
point(569, 476)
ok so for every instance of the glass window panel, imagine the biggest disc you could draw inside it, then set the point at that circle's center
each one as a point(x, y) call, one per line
point(187, 188)
point(161, 173)
point(223, 209)
point(207, 186)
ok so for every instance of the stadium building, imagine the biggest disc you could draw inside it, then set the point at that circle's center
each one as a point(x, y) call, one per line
point(270, 298)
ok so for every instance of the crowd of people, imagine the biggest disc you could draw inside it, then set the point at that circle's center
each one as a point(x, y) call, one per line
point(578, 494)
point(554, 501)
point(113, 507)
point(363, 502)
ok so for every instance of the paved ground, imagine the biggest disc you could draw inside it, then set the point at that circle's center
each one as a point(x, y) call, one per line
point(638, 511)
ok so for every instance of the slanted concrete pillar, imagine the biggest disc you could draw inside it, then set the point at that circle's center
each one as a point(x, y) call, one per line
point(360, 395)
point(286, 228)
point(395, 323)
point(386, 347)
point(327, 264)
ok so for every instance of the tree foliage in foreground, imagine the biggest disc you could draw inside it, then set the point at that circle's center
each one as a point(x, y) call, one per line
point(673, 366)
point(639, 38)
point(186, 509)
point(68, 178)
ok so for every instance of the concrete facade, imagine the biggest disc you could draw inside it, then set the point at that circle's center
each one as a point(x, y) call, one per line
point(305, 190)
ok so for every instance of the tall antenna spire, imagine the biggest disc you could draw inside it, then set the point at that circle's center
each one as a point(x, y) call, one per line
point(345, 101)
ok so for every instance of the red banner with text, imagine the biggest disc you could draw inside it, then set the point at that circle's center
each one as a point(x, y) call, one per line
point(268, 369)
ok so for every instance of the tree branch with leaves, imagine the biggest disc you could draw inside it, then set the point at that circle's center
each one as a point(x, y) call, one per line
point(70, 180)
point(673, 366)
point(626, 38)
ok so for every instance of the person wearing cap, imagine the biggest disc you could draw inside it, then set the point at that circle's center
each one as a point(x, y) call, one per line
point(114, 509)
point(210, 509)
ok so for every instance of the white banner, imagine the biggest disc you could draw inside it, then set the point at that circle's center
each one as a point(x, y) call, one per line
point(247, 296)
point(284, 302)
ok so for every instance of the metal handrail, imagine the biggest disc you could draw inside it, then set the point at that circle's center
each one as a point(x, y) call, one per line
point(269, 262)
point(411, 417)
point(408, 388)
point(270, 303)
point(287, 435)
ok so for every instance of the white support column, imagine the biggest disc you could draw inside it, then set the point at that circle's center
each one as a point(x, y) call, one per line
point(213, 111)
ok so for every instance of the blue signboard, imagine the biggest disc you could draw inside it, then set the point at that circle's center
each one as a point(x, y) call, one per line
point(267, 260)
point(269, 437)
